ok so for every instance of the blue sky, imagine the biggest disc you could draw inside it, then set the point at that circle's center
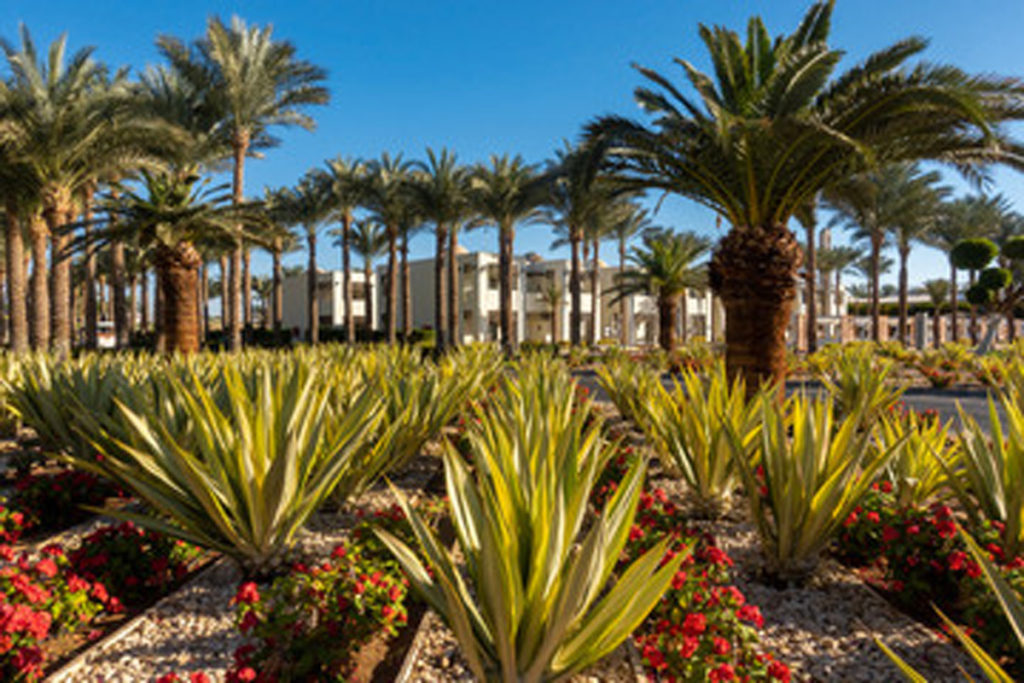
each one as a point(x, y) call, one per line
point(484, 77)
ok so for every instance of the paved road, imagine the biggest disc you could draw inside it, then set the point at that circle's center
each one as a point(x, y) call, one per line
point(943, 401)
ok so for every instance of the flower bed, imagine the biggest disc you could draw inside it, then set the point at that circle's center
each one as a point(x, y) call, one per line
point(50, 502)
point(916, 558)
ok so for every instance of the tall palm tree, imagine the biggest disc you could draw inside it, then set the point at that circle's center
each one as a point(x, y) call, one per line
point(67, 124)
point(369, 240)
point(665, 266)
point(634, 222)
point(577, 190)
point(309, 205)
point(773, 127)
point(506, 193)
point(176, 213)
point(387, 195)
point(923, 200)
point(346, 176)
point(938, 294)
point(836, 261)
point(253, 82)
point(13, 197)
point(441, 193)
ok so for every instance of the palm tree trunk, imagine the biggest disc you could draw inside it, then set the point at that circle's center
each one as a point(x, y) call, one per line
point(595, 294)
point(937, 327)
point(240, 147)
point(15, 256)
point(507, 238)
point(876, 306)
point(117, 279)
point(368, 297)
point(575, 295)
point(754, 270)
point(685, 305)
point(55, 215)
point(440, 293)
point(623, 305)
point(40, 330)
point(954, 305)
point(346, 276)
point(454, 298)
point(392, 293)
point(406, 291)
point(904, 256)
point(178, 277)
point(91, 315)
point(278, 276)
point(159, 304)
point(313, 312)
point(144, 300)
point(201, 301)
point(668, 309)
point(247, 286)
point(132, 308)
point(811, 271)
point(972, 325)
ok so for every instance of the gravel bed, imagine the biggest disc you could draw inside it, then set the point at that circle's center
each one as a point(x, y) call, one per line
point(193, 628)
point(825, 630)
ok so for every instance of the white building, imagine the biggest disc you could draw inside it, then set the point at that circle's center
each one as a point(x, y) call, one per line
point(331, 299)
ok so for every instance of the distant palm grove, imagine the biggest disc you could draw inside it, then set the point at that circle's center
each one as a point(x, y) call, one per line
point(106, 183)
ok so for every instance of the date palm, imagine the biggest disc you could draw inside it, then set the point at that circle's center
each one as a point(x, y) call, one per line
point(369, 240)
point(775, 125)
point(280, 241)
point(506, 193)
point(633, 223)
point(13, 196)
point(440, 191)
point(253, 82)
point(834, 262)
point(387, 195)
point(665, 266)
point(346, 179)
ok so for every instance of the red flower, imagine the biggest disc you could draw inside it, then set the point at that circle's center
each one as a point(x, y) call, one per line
point(723, 673)
point(889, 534)
point(387, 611)
point(873, 517)
point(199, 677)
point(249, 622)
point(689, 646)
point(694, 624)
point(246, 673)
point(636, 533)
point(248, 593)
point(168, 678)
point(751, 613)
point(721, 646)
point(957, 559)
point(779, 671)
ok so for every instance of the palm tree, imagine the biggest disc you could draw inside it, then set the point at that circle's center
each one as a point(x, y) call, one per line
point(665, 267)
point(370, 241)
point(505, 194)
point(577, 191)
point(553, 296)
point(923, 201)
point(253, 82)
point(836, 260)
point(13, 197)
point(67, 125)
point(176, 213)
point(776, 125)
point(387, 194)
point(634, 222)
point(280, 241)
point(938, 293)
point(808, 218)
point(310, 205)
point(441, 194)
point(346, 184)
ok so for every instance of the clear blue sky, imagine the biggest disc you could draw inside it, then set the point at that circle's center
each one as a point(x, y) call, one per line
point(484, 77)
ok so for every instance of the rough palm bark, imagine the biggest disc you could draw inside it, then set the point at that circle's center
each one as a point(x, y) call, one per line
point(91, 313)
point(16, 292)
point(440, 290)
point(754, 272)
point(406, 291)
point(454, 299)
point(56, 212)
point(668, 311)
point(876, 303)
point(904, 286)
point(240, 147)
point(247, 287)
point(202, 310)
point(346, 276)
point(313, 301)
point(117, 281)
point(40, 321)
point(178, 275)
point(159, 330)
point(505, 266)
point(132, 303)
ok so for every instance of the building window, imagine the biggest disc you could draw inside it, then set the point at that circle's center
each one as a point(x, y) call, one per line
point(492, 277)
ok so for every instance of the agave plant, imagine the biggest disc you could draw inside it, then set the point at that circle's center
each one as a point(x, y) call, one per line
point(923, 464)
point(627, 384)
point(1012, 606)
point(686, 426)
point(250, 468)
point(533, 603)
point(993, 469)
point(811, 481)
point(858, 381)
